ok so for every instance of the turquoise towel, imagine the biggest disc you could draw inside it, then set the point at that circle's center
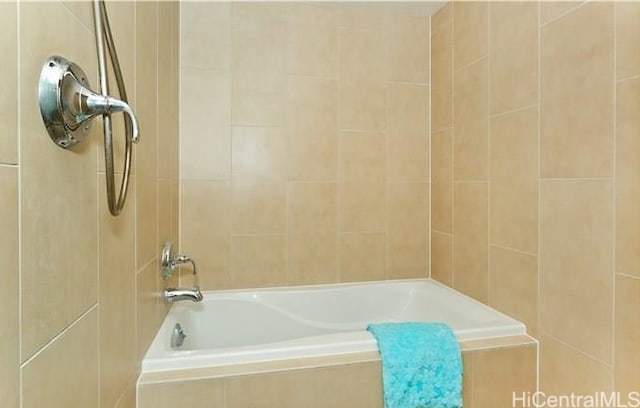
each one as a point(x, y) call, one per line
point(421, 365)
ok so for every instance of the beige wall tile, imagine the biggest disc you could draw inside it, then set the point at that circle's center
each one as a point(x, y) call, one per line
point(470, 246)
point(627, 38)
point(550, 10)
point(259, 206)
point(258, 61)
point(183, 393)
point(168, 93)
point(9, 291)
point(513, 285)
point(442, 179)
point(627, 329)
point(441, 76)
point(363, 257)
point(289, 389)
point(627, 177)
point(470, 32)
point(498, 374)
point(563, 370)
point(408, 128)
point(408, 48)
point(408, 223)
point(442, 19)
point(148, 304)
point(349, 386)
point(312, 155)
point(514, 55)
point(147, 112)
point(258, 260)
point(312, 258)
point(58, 251)
point(468, 360)
point(313, 38)
point(363, 105)
point(441, 257)
point(311, 103)
point(128, 398)
point(117, 298)
point(367, 18)
point(362, 207)
point(313, 207)
point(576, 260)
point(213, 22)
point(206, 230)
point(514, 180)
point(74, 353)
point(9, 84)
point(362, 55)
point(205, 122)
point(470, 121)
point(576, 120)
point(259, 152)
point(363, 156)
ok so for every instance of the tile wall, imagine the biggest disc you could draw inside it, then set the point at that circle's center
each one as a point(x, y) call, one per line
point(304, 143)
point(535, 170)
point(79, 302)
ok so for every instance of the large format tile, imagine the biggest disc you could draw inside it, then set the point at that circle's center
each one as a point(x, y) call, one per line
point(627, 177)
point(470, 240)
point(58, 190)
point(9, 84)
point(65, 373)
point(514, 55)
point(627, 347)
point(576, 229)
point(470, 32)
point(576, 123)
point(9, 291)
point(514, 180)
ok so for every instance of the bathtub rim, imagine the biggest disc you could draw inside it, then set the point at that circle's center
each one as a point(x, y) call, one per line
point(191, 357)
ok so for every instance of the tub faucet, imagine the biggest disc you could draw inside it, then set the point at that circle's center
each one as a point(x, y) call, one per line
point(175, 294)
point(168, 263)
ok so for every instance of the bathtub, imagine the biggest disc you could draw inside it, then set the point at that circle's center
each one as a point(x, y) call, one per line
point(250, 326)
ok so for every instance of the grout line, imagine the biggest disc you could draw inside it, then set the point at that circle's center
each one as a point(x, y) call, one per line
point(613, 190)
point(465, 66)
point(576, 178)
point(539, 209)
point(576, 349)
point(520, 109)
point(338, 139)
point(20, 371)
point(626, 275)
point(488, 136)
point(11, 165)
point(469, 181)
point(452, 112)
point(64, 331)
point(507, 248)
point(387, 218)
point(430, 156)
point(625, 79)
point(563, 14)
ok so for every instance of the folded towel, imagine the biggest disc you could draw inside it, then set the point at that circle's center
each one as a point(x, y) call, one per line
point(421, 365)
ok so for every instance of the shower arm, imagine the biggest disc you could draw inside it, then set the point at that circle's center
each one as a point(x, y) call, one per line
point(103, 32)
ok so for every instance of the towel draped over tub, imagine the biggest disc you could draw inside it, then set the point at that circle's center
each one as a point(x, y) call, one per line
point(421, 365)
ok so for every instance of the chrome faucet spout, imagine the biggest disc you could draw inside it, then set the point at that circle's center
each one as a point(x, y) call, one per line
point(176, 294)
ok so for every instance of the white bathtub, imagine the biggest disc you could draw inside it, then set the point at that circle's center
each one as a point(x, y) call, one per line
point(235, 327)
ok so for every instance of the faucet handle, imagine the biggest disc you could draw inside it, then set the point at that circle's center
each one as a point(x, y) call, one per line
point(169, 261)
